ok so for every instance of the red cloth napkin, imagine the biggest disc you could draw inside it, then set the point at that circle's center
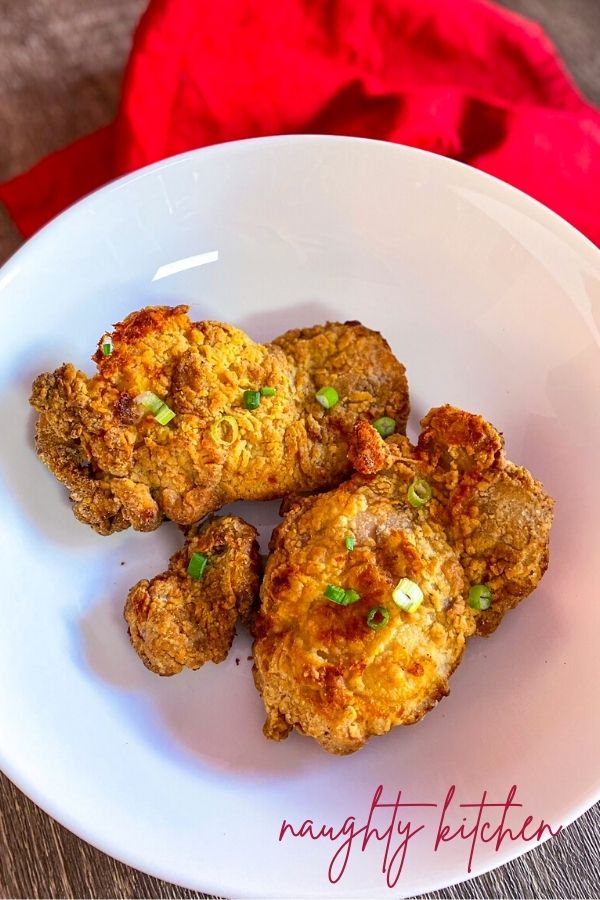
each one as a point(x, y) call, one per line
point(466, 79)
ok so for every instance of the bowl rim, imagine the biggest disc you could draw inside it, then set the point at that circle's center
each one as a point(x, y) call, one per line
point(545, 215)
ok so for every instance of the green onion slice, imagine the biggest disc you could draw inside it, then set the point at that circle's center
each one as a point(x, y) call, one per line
point(385, 426)
point(407, 595)
point(327, 397)
point(480, 596)
point(197, 565)
point(149, 401)
point(224, 425)
point(350, 542)
point(339, 595)
point(153, 404)
point(107, 345)
point(335, 593)
point(268, 391)
point(164, 414)
point(251, 399)
point(419, 493)
point(378, 617)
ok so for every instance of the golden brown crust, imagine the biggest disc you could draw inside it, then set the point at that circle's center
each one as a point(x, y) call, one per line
point(500, 526)
point(319, 667)
point(123, 469)
point(495, 514)
point(367, 450)
point(455, 441)
point(177, 621)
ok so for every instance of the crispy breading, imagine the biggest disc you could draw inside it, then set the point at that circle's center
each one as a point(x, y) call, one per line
point(124, 469)
point(495, 514)
point(176, 621)
point(319, 667)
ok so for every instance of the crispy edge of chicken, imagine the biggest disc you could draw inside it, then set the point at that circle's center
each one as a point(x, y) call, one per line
point(176, 621)
point(496, 515)
point(123, 468)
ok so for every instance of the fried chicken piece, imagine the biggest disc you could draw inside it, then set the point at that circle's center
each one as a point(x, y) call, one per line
point(496, 516)
point(123, 468)
point(177, 621)
point(319, 667)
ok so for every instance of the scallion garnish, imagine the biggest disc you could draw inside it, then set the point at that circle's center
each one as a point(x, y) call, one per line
point(349, 542)
point(197, 565)
point(217, 431)
point(419, 493)
point(378, 617)
point(153, 404)
point(335, 593)
point(149, 401)
point(327, 397)
point(407, 595)
point(107, 345)
point(164, 415)
point(385, 426)
point(251, 399)
point(480, 596)
point(339, 595)
point(268, 391)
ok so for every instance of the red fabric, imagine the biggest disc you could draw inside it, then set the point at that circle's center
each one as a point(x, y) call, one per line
point(461, 77)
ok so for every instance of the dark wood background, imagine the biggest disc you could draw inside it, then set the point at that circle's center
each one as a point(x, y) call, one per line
point(60, 70)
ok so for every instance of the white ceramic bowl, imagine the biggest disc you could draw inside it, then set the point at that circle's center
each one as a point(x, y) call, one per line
point(493, 303)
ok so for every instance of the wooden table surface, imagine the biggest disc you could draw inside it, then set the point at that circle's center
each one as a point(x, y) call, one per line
point(60, 69)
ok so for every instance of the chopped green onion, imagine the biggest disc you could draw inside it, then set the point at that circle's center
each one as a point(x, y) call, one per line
point(164, 415)
point(385, 426)
point(216, 430)
point(149, 401)
point(335, 593)
point(107, 345)
point(407, 595)
point(480, 597)
point(327, 397)
point(419, 493)
point(339, 595)
point(349, 542)
point(251, 399)
point(268, 391)
point(378, 617)
point(197, 565)
point(153, 404)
